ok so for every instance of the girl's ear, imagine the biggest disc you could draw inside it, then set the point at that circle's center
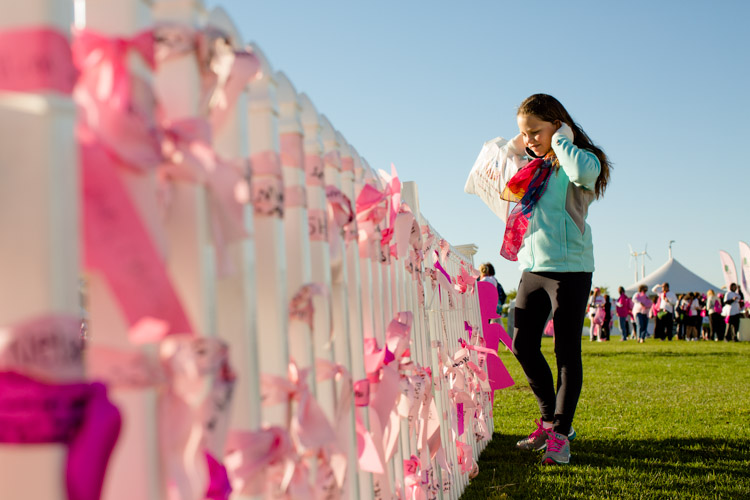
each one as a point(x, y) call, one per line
point(557, 123)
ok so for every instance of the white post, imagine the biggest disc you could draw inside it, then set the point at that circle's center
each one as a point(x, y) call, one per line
point(39, 216)
point(190, 256)
point(235, 293)
point(270, 261)
point(135, 469)
point(355, 335)
point(299, 271)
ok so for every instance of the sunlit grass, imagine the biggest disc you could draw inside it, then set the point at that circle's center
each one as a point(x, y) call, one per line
point(655, 420)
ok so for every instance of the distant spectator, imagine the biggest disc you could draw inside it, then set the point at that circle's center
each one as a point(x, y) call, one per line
point(641, 307)
point(596, 314)
point(624, 308)
point(487, 273)
point(607, 324)
point(665, 316)
point(732, 305)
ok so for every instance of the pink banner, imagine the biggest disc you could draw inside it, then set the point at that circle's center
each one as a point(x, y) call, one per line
point(36, 60)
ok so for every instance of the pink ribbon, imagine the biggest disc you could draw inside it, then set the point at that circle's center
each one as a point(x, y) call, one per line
point(36, 60)
point(309, 428)
point(317, 222)
point(194, 412)
point(340, 206)
point(77, 414)
point(107, 57)
point(48, 348)
point(314, 170)
point(117, 243)
point(267, 184)
point(35, 407)
point(253, 458)
point(118, 126)
point(192, 159)
point(292, 150)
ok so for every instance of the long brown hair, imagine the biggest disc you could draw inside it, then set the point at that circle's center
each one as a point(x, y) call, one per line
point(547, 108)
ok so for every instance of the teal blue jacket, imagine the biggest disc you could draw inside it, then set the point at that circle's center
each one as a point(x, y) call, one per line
point(558, 238)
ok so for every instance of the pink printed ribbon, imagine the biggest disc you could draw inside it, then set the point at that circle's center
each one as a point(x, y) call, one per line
point(117, 128)
point(267, 184)
point(36, 60)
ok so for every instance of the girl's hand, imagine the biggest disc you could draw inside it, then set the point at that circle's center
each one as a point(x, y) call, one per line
point(566, 131)
point(516, 145)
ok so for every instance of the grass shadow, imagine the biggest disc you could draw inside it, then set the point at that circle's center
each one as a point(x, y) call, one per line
point(618, 468)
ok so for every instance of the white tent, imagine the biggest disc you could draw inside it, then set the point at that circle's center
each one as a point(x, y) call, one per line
point(680, 279)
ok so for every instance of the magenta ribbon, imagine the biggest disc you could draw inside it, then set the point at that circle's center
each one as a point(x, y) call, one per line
point(44, 410)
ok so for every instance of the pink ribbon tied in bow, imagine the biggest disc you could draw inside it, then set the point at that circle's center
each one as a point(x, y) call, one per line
point(110, 81)
point(310, 429)
point(190, 158)
point(254, 458)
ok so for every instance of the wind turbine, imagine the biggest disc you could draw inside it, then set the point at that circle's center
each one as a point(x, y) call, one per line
point(633, 257)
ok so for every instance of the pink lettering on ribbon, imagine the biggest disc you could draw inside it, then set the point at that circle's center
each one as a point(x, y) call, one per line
point(317, 221)
point(267, 184)
point(314, 171)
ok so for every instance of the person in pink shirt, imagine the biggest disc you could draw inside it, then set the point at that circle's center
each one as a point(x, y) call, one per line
point(623, 308)
point(642, 306)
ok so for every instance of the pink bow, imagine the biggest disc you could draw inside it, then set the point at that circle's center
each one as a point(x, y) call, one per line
point(194, 411)
point(251, 458)
point(309, 428)
point(111, 82)
point(191, 158)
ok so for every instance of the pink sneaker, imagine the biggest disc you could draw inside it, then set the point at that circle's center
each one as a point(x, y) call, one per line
point(537, 440)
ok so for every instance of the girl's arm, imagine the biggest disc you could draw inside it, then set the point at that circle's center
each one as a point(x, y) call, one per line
point(581, 165)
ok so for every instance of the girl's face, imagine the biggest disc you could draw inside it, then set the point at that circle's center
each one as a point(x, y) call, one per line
point(536, 133)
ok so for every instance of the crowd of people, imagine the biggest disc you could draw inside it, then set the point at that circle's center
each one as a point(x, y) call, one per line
point(689, 316)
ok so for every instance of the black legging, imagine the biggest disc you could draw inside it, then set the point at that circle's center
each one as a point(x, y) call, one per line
point(565, 294)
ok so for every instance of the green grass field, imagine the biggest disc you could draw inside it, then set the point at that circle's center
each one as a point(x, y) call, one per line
point(655, 420)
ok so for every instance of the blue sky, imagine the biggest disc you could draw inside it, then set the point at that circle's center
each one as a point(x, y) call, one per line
point(662, 86)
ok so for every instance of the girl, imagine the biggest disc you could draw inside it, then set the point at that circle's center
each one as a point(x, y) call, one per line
point(547, 234)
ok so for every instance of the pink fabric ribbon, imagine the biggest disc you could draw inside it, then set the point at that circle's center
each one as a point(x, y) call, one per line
point(267, 184)
point(36, 60)
point(42, 399)
point(110, 79)
point(314, 170)
point(191, 158)
point(309, 428)
point(117, 128)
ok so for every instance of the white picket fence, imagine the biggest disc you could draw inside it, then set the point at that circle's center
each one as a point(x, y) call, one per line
point(239, 298)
